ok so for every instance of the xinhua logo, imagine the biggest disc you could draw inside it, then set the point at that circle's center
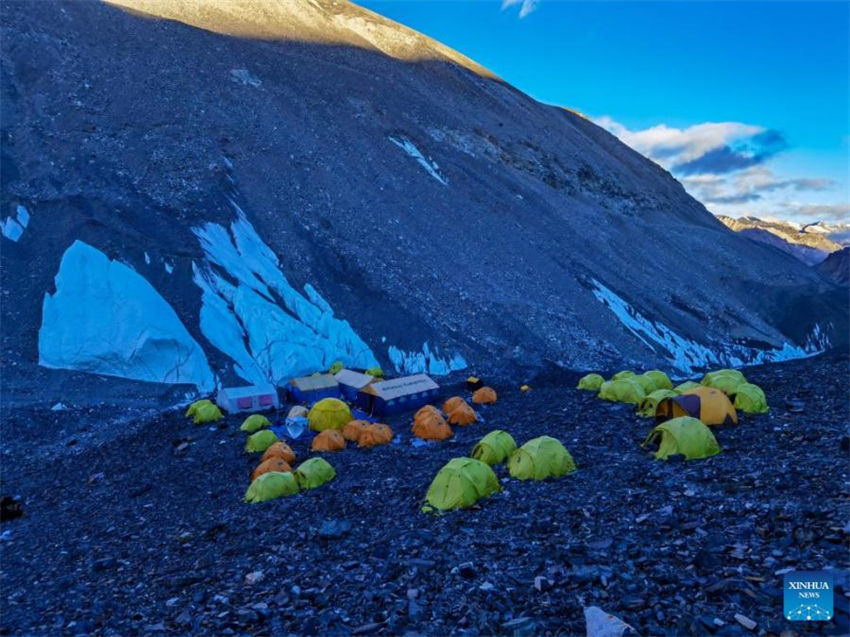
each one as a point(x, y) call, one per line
point(808, 596)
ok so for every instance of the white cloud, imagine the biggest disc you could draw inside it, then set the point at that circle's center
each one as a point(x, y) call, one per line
point(526, 6)
point(753, 190)
point(669, 146)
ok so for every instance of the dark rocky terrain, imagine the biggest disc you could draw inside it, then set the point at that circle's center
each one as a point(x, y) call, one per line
point(836, 266)
point(143, 531)
point(117, 128)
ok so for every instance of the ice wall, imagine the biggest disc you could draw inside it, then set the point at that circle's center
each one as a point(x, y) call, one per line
point(105, 318)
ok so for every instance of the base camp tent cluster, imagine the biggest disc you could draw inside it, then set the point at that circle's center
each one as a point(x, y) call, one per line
point(684, 412)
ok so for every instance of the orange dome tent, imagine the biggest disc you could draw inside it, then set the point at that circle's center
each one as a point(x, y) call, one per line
point(709, 405)
point(272, 464)
point(279, 450)
point(451, 403)
point(484, 396)
point(354, 429)
point(328, 440)
point(375, 434)
point(429, 424)
point(463, 415)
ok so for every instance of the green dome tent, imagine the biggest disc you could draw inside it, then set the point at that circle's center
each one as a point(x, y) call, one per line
point(314, 473)
point(648, 405)
point(336, 367)
point(495, 447)
point(623, 374)
point(460, 484)
point(750, 399)
point(688, 384)
point(193, 408)
point(270, 486)
point(622, 391)
point(685, 435)
point(591, 382)
point(659, 378)
point(255, 422)
point(726, 380)
point(541, 458)
point(260, 441)
point(329, 413)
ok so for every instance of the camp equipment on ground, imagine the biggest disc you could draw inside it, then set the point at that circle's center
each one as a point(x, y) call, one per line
point(726, 380)
point(351, 382)
point(462, 415)
point(590, 382)
point(688, 384)
point(312, 389)
point(540, 458)
point(623, 374)
point(750, 399)
point(460, 484)
point(193, 408)
point(429, 424)
point(659, 379)
point(494, 448)
point(329, 413)
point(354, 429)
point(524, 388)
point(328, 440)
point(206, 413)
point(272, 464)
point(649, 405)
point(314, 473)
point(473, 383)
point(711, 406)
point(375, 434)
point(270, 486)
point(686, 436)
point(335, 367)
point(279, 450)
point(250, 398)
point(484, 396)
point(451, 403)
point(407, 393)
point(299, 411)
point(625, 390)
point(377, 372)
point(260, 441)
point(255, 422)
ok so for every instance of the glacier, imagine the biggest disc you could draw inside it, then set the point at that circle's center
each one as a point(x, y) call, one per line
point(13, 227)
point(105, 318)
point(424, 361)
point(687, 355)
point(429, 165)
point(251, 313)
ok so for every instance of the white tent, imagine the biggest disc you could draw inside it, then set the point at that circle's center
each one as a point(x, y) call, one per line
point(253, 398)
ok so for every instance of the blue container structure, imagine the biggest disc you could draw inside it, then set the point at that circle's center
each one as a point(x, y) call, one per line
point(387, 397)
point(351, 383)
point(311, 389)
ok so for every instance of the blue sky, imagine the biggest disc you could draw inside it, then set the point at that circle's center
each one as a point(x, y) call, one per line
point(747, 103)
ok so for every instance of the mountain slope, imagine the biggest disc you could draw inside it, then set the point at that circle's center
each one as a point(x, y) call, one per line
point(836, 267)
point(381, 193)
point(810, 244)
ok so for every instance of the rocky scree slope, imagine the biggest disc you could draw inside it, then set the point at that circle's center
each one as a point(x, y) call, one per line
point(362, 183)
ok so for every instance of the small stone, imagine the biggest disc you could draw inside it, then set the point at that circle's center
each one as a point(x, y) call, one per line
point(334, 529)
point(254, 577)
point(745, 621)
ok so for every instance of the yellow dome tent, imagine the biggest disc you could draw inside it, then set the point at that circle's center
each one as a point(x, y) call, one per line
point(726, 380)
point(590, 382)
point(687, 436)
point(750, 399)
point(648, 405)
point(270, 486)
point(460, 484)
point(625, 390)
point(541, 458)
point(329, 413)
point(711, 406)
point(495, 447)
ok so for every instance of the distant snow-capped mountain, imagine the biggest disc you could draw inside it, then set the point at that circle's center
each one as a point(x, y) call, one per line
point(810, 243)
